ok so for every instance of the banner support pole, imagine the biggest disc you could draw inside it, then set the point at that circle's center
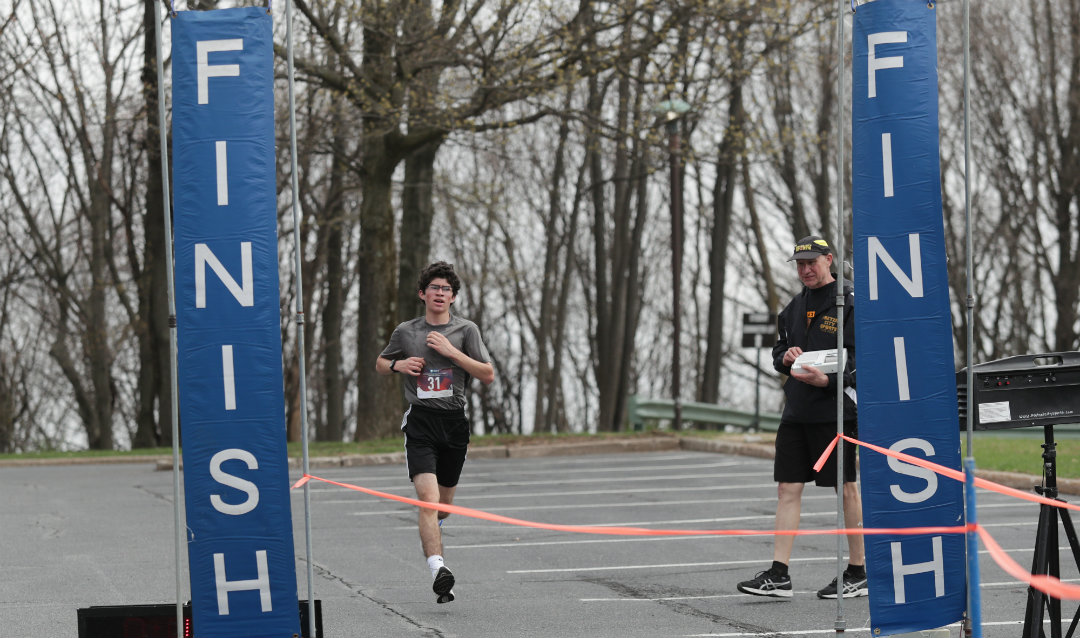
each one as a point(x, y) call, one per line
point(167, 208)
point(840, 89)
point(300, 318)
point(974, 618)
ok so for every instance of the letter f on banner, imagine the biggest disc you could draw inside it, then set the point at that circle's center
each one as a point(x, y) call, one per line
point(875, 63)
point(206, 70)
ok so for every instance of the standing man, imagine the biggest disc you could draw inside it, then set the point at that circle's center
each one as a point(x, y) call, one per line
point(436, 355)
point(808, 424)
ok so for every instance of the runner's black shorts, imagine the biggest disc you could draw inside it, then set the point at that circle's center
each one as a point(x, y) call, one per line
point(798, 446)
point(436, 442)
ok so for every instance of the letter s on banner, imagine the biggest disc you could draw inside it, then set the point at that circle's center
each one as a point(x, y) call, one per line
point(898, 466)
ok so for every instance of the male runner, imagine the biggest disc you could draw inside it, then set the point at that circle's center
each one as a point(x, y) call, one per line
point(436, 355)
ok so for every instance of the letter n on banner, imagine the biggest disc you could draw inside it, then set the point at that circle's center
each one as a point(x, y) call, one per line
point(232, 408)
point(907, 388)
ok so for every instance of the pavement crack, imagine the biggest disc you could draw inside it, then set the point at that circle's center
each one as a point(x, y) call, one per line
point(168, 498)
point(679, 607)
point(358, 592)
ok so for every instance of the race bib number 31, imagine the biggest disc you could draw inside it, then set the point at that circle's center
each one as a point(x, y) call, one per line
point(435, 384)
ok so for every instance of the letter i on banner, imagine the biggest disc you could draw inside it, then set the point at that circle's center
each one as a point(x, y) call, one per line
point(232, 407)
point(907, 387)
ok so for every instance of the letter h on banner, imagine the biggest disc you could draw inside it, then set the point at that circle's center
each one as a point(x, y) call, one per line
point(240, 544)
point(904, 323)
point(936, 566)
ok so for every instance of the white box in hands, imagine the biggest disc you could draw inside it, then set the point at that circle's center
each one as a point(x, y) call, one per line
point(824, 360)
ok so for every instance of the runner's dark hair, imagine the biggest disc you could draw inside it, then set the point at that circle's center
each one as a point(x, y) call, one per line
point(439, 269)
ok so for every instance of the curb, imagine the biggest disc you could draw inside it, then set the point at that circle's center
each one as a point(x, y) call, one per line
point(656, 444)
point(717, 446)
point(91, 460)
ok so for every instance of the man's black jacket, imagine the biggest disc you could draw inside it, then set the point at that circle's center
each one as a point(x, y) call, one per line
point(809, 321)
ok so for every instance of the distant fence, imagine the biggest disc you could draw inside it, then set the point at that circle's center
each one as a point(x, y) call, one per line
point(639, 410)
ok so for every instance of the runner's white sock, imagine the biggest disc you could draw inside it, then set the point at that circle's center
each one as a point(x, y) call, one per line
point(434, 562)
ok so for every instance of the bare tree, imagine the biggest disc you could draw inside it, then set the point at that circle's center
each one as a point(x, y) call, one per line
point(1025, 116)
point(479, 50)
point(70, 116)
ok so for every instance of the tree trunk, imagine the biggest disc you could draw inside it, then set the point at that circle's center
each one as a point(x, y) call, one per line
point(727, 174)
point(378, 405)
point(546, 325)
point(153, 419)
point(617, 271)
point(417, 211)
point(334, 225)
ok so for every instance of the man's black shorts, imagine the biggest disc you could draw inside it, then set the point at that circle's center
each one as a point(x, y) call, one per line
point(436, 441)
point(798, 446)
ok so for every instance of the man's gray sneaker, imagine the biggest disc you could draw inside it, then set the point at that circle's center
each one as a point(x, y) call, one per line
point(767, 583)
point(854, 586)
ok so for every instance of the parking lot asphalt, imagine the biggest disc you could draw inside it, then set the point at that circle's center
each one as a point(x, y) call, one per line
point(102, 534)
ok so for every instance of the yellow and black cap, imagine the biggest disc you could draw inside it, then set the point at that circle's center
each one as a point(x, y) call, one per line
point(809, 248)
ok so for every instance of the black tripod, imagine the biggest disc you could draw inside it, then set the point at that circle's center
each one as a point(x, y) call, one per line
point(1046, 560)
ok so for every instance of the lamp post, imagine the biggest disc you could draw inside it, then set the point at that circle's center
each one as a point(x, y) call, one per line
point(669, 112)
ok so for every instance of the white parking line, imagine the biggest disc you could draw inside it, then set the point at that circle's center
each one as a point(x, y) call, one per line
point(653, 478)
point(619, 468)
point(634, 459)
point(592, 541)
point(590, 506)
point(615, 568)
point(607, 568)
point(832, 631)
point(470, 485)
point(632, 490)
point(646, 524)
point(801, 632)
point(659, 599)
point(469, 479)
point(575, 494)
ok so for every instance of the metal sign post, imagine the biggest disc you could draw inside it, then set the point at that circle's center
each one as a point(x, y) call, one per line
point(759, 331)
point(757, 384)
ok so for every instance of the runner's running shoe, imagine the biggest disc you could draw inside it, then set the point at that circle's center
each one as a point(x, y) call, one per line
point(767, 583)
point(443, 585)
point(854, 586)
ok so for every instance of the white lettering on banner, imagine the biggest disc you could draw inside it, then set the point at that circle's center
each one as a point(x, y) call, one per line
point(262, 583)
point(222, 165)
point(900, 467)
point(205, 257)
point(913, 285)
point(900, 570)
point(228, 377)
point(244, 485)
point(900, 354)
point(874, 63)
point(886, 163)
point(205, 70)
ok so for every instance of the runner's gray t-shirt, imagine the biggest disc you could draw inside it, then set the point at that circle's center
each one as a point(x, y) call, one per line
point(442, 384)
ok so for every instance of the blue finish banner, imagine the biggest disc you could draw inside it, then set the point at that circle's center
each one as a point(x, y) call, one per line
point(906, 382)
point(232, 407)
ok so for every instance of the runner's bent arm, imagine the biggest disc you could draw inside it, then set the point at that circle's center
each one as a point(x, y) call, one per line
point(481, 370)
point(410, 366)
